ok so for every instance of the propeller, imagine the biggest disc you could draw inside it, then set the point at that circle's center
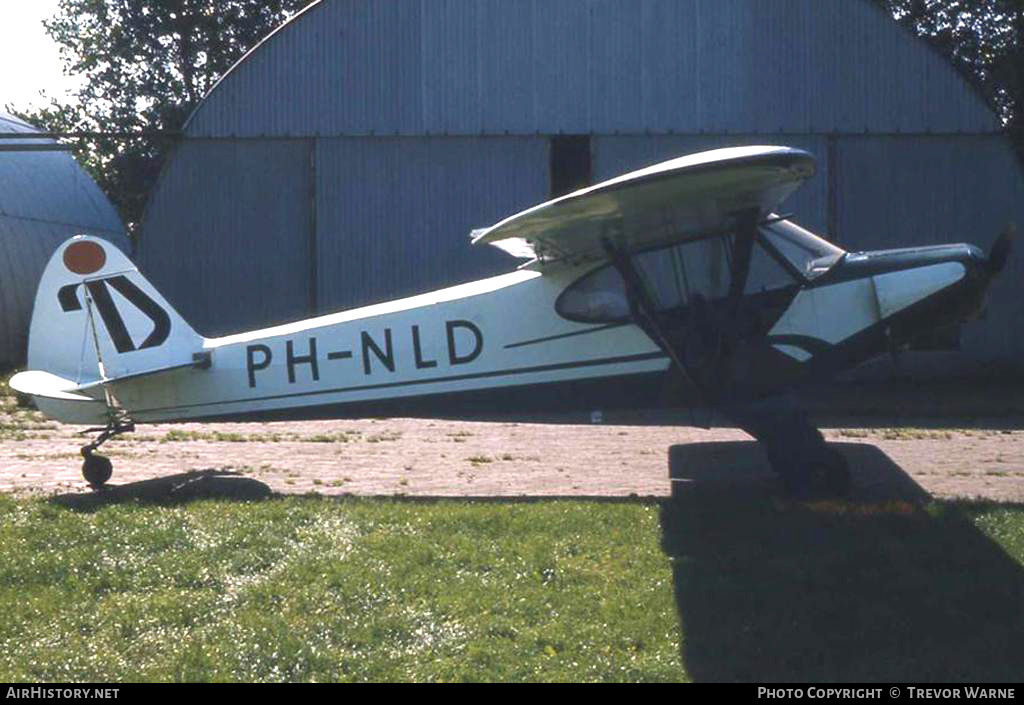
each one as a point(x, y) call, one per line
point(1000, 252)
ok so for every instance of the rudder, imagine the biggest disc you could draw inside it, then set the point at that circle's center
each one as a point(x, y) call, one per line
point(96, 317)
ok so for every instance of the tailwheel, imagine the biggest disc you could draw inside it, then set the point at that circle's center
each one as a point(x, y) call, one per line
point(96, 469)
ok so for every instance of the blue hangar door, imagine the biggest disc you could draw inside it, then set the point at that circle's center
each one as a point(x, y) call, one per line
point(393, 215)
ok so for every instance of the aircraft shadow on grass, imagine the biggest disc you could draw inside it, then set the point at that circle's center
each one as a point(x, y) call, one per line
point(183, 487)
point(878, 588)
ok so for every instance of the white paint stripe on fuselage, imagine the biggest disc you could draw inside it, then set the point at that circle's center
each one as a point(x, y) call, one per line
point(798, 354)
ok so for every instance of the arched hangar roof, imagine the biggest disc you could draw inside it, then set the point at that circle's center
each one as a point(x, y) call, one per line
point(359, 67)
point(45, 198)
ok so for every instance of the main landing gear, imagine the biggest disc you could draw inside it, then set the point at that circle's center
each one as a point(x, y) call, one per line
point(797, 452)
point(703, 348)
point(97, 469)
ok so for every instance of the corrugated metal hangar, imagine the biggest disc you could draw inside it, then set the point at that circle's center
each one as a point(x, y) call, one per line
point(346, 158)
point(45, 198)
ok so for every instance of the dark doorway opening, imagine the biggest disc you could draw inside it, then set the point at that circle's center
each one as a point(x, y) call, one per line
point(570, 164)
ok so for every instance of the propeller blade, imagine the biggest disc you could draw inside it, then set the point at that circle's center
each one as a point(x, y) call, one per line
point(1000, 252)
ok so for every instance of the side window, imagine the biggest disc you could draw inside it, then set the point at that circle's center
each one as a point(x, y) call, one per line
point(599, 297)
point(672, 275)
point(664, 277)
point(703, 267)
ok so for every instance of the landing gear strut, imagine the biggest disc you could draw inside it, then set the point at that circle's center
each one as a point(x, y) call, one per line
point(796, 450)
point(97, 469)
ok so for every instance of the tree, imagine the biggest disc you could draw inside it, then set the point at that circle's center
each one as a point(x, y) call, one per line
point(985, 40)
point(147, 64)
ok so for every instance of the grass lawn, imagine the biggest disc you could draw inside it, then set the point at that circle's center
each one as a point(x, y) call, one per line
point(697, 588)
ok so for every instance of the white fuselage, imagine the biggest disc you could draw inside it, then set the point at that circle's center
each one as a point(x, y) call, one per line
point(491, 337)
point(498, 332)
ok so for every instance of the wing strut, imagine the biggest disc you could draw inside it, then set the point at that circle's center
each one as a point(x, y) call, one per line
point(746, 231)
point(644, 314)
point(795, 448)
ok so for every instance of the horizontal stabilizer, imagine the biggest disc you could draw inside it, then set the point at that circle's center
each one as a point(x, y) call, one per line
point(49, 386)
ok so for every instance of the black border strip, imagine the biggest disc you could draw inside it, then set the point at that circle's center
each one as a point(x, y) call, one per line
point(596, 329)
point(452, 378)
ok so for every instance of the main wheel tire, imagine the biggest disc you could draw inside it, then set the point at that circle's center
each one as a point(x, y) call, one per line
point(821, 474)
point(836, 473)
point(97, 469)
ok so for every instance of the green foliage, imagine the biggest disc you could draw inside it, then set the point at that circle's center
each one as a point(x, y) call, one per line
point(984, 39)
point(146, 65)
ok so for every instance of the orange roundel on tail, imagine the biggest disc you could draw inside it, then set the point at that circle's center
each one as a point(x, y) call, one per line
point(84, 257)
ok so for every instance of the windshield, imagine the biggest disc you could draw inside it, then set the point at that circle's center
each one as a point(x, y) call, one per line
point(809, 254)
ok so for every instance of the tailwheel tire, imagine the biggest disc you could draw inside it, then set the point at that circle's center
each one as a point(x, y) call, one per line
point(97, 469)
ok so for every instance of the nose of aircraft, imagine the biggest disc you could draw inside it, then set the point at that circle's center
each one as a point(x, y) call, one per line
point(981, 269)
point(938, 282)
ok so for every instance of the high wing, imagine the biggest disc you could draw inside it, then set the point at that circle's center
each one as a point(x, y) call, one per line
point(671, 201)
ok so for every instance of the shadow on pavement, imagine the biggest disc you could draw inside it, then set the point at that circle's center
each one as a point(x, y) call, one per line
point(882, 587)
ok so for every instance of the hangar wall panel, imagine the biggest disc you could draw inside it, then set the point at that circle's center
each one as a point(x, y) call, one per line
point(351, 63)
point(347, 67)
point(228, 233)
point(394, 215)
point(904, 191)
point(391, 216)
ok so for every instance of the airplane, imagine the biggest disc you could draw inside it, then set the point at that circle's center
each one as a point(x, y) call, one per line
point(678, 283)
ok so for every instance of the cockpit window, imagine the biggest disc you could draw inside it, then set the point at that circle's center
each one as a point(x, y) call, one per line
point(599, 296)
point(784, 254)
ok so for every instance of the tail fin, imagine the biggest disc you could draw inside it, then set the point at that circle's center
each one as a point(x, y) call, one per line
point(97, 318)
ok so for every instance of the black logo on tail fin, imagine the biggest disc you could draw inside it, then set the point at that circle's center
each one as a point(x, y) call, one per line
point(68, 298)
